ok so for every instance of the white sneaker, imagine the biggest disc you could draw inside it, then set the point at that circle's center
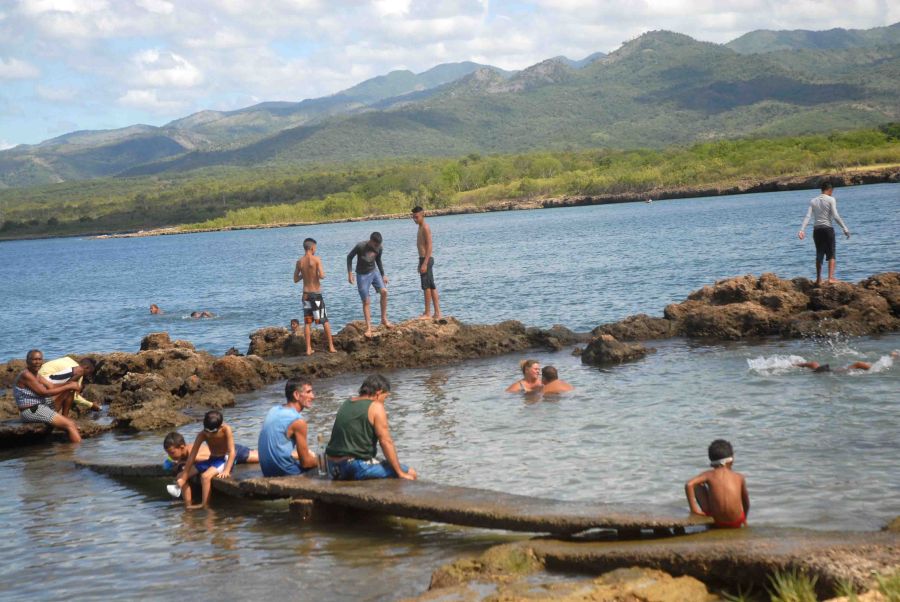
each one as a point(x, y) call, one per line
point(174, 490)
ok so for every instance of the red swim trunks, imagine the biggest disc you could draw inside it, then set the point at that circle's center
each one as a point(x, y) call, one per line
point(737, 524)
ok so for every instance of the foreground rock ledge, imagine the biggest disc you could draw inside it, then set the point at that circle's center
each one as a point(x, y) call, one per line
point(158, 386)
point(751, 307)
point(722, 560)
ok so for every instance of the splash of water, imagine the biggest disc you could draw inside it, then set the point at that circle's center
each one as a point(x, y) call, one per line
point(774, 364)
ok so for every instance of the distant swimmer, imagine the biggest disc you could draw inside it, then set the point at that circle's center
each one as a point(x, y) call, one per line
point(154, 309)
point(531, 378)
point(552, 383)
point(309, 269)
point(368, 258)
point(35, 397)
point(823, 209)
point(720, 493)
point(817, 367)
point(425, 246)
point(202, 314)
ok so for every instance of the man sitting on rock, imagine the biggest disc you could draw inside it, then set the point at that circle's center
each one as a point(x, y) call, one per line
point(285, 429)
point(35, 397)
point(552, 383)
point(361, 422)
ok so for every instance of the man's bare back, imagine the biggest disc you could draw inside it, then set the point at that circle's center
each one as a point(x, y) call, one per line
point(309, 269)
point(725, 500)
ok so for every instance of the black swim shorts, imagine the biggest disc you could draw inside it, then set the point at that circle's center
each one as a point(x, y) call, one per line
point(428, 276)
point(314, 309)
point(823, 236)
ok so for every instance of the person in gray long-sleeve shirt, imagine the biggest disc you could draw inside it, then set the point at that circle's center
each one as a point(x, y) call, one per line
point(368, 257)
point(823, 209)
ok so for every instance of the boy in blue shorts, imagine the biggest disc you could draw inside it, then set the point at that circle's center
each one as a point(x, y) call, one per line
point(221, 459)
point(368, 258)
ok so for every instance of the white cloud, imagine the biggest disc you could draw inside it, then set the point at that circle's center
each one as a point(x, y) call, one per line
point(13, 68)
point(149, 100)
point(157, 69)
point(5, 145)
point(218, 53)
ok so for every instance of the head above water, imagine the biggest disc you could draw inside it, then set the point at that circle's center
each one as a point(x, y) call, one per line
point(309, 244)
point(720, 453)
point(212, 421)
point(154, 308)
point(373, 384)
point(529, 367)
point(549, 374)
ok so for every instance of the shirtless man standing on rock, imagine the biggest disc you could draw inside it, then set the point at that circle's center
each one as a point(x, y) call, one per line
point(309, 269)
point(426, 264)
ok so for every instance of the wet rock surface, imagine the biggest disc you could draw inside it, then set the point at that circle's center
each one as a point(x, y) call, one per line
point(606, 350)
point(669, 569)
point(753, 307)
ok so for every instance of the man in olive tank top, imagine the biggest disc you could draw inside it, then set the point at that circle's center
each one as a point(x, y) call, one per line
point(361, 422)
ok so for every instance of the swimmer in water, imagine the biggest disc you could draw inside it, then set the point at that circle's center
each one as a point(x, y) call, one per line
point(552, 383)
point(202, 314)
point(531, 371)
point(154, 309)
point(817, 367)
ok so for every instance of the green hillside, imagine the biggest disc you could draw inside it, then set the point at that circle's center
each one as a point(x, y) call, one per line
point(764, 40)
point(660, 89)
point(223, 197)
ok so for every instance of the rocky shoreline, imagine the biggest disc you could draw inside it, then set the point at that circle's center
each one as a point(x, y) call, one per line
point(153, 388)
point(883, 175)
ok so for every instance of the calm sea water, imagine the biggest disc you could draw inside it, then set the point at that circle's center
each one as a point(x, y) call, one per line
point(819, 451)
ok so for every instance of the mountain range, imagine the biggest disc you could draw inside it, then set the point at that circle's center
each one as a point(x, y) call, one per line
point(659, 89)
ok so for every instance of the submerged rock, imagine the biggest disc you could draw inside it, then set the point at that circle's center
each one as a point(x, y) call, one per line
point(605, 350)
point(751, 307)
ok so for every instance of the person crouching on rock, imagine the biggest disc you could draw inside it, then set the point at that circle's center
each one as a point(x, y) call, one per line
point(720, 493)
point(219, 437)
point(551, 382)
point(65, 369)
point(531, 381)
point(361, 422)
point(285, 430)
point(178, 452)
point(36, 397)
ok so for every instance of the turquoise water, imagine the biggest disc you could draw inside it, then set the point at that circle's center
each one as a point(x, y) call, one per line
point(819, 451)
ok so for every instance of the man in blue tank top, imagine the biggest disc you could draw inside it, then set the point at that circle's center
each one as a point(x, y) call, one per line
point(284, 429)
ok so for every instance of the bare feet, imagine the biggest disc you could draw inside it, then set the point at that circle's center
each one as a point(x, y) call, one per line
point(332, 350)
point(424, 317)
point(437, 315)
point(833, 280)
point(386, 324)
point(309, 352)
point(818, 283)
point(369, 334)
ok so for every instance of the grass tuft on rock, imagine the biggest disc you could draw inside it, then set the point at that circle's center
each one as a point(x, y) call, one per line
point(793, 586)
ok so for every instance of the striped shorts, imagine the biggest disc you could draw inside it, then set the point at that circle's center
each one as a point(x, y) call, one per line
point(38, 413)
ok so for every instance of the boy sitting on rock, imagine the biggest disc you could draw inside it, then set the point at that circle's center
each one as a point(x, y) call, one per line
point(221, 456)
point(720, 493)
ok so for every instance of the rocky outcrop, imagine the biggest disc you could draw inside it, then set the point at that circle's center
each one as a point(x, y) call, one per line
point(633, 570)
point(410, 344)
point(751, 307)
point(151, 389)
point(605, 350)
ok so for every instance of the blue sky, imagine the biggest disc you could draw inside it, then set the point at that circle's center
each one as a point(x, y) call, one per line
point(68, 65)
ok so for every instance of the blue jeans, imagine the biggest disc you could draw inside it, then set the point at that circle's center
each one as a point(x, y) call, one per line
point(360, 470)
point(364, 281)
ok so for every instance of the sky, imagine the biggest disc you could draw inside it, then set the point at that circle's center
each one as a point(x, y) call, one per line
point(69, 65)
